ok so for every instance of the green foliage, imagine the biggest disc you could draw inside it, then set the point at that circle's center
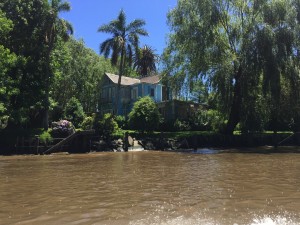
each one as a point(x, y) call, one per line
point(215, 120)
point(144, 115)
point(145, 60)
point(74, 112)
point(122, 123)
point(7, 61)
point(107, 126)
point(206, 120)
point(241, 50)
point(124, 41)
point(34, 29)
point(88, 123)
point(45, 137)
point(78, 71)
point(181, 125)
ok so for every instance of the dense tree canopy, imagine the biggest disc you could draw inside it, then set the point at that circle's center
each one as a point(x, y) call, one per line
point(7, 61)
point(240, 58)
point(241, 49)
point(77, 73)
point(40, 68)
point(26, 41)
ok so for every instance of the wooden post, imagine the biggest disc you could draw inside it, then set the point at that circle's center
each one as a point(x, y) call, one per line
point(125, 142)
point(37, 143)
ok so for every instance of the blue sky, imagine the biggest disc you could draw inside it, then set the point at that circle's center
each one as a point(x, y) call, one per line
point(87, 16)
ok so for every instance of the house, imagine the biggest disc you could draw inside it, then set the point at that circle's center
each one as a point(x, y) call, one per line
point(133, 88)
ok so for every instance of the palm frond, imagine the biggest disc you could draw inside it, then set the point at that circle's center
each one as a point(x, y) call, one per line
point(108, 28)
point(142, 32)
point(125, 38)
point(64, 7)
point(144, 60)
point(129, 55)
point(106, 47)
point(68, 27)
point(134, 25)
point(134, 40)
point(115, 56)
point(121, 21)
point(63, 28)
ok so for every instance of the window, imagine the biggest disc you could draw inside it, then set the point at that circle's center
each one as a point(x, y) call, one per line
point(152, 92)
point(113, 92)
point(134, 93)
point(109, 93)
point(104, 93)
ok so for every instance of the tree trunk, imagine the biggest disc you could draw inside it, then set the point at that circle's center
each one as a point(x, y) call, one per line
point(235, 111)
point(48, 74)
point(118, 94)
point(45, 120)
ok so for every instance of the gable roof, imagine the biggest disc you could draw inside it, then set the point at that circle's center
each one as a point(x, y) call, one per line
point(126, 81)
point(151, 79)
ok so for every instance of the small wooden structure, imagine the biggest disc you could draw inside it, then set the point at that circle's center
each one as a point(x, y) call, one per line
point(78, 142)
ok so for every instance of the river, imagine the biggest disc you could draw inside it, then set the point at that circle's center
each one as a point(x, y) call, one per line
point(138, 188)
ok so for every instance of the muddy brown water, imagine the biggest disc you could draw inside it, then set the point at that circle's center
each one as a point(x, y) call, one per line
point(213, 187)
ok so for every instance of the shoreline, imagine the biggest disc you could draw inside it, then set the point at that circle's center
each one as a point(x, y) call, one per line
point(162, 142)
point(203, 150)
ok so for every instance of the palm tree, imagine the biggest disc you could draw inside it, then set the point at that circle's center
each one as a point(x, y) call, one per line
point(144, 61)
point(125, 39)
point(54, 27)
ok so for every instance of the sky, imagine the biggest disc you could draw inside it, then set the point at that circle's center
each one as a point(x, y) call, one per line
point(87, 16)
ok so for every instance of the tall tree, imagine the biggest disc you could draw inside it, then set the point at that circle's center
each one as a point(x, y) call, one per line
point(232, 44)
point(145, 61)
point(124, 40)
point(77, 73)
point(54, 27)
point(37, 27)
point(26, 41)
point(7, 60)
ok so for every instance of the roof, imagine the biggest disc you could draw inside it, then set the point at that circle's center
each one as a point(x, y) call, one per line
point(126, 81)
point(151, 79)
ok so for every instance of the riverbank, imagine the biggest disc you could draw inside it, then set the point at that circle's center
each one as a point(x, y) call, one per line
point(170, 141)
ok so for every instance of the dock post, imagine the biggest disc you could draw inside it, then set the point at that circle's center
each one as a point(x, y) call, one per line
point(125, 142)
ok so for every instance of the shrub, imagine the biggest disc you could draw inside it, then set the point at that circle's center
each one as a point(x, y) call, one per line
point(87, 123)
point(107, 126)
point(122, 123)
point(144, 115)
point(182, 125)
point(74, 112)
point(62, 128)
point(214, 121)
point(45, 137)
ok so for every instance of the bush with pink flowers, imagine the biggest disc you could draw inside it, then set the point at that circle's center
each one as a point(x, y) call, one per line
point(62, 128)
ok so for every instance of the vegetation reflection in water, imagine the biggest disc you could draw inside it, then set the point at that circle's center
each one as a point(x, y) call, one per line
point(150, 188)
point(257, 150)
